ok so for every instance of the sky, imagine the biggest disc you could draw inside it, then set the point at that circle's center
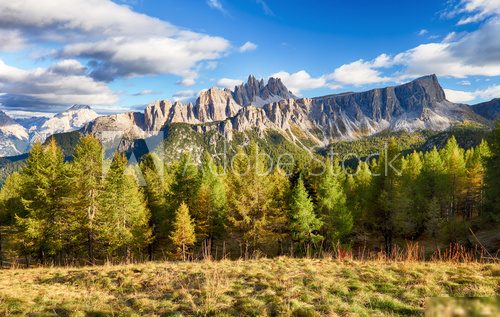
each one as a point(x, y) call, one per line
point(121, 55)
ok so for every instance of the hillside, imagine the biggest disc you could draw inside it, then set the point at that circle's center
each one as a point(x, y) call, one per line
point(278, 287)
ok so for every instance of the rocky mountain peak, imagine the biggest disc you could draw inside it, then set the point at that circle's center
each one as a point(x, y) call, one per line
point(5, 119)
point(79, 107)
point(258, 93)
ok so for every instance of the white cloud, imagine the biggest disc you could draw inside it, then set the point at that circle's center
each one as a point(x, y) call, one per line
point(248, 46)
point(118, 41)
point(459, 96)
point(300, 80)
point(466, 96)
point(145, 92)
point(185, 95)
point(187, 82)
point(475, 10)
point(229, 83)
point(12, 40)
point(217, 5)
point(49, 85)
point(423, 32)
point(465, 83)
point(361, 72)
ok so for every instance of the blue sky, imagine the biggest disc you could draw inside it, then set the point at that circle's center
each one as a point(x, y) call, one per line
point(124, 54)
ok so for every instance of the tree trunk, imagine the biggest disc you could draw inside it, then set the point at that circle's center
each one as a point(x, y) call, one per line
point(90, 246)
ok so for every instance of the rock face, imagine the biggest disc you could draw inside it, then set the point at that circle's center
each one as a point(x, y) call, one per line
point(418, 105)
point(255, 92)
point(490, 109)
point(14, 138)
point(259, 106)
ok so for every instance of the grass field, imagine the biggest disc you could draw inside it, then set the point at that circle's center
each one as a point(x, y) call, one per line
point(266, 287)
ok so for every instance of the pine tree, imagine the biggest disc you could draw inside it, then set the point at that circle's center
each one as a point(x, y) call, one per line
point(183, 234)
point(124, 227)
point(304, 224)
point(211, 206)
point(155, 191)
point(43, 229)
point(331, 203)
point(360, 196)
point(454, 167)
point(186, 182)
point(10, 206)
point(411, 212)
point(250, 200)
point(86, 182)
point(385, 189)
point(474, 182)
point(492, 212)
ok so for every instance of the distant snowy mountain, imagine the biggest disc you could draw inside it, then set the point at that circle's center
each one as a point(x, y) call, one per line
point(70, 120)
point(17, 135)
point(14, 138)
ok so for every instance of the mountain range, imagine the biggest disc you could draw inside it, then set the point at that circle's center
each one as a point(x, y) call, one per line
point(17, 135)
point(264, 107)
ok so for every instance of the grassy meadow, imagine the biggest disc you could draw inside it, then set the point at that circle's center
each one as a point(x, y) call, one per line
point(264, 287)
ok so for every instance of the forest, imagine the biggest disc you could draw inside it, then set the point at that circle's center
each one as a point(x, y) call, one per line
point(92, 209)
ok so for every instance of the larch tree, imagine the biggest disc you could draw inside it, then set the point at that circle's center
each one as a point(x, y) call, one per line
point(124, 227)
point(304, 224)
point(155, 192)
point(210, 211)
point(86, 184)
point(492, 211)
point(43, 228)
point(455, 176)
point(331, 203)
point(183, 234)
point(250, 200)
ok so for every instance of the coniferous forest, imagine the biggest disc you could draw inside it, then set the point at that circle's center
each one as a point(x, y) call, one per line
point(93, 209)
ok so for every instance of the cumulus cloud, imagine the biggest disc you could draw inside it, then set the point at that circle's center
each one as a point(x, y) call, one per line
point(248, 46)
point(12, 40)
point(58, 84)
point(117, 41)
point(361, 72)
point(459, 96)
point(467, 96)
point(472, 11)
point(229, 83)
point(300, 80)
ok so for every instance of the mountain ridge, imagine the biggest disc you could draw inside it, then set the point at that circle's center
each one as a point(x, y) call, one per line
point(420, 104)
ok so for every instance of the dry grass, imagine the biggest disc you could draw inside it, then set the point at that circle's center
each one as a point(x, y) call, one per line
point(274, 287)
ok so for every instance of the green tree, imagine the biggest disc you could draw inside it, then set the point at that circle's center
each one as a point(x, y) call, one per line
point(86, 184)
point(186, 183)
point(455, 176)
point(155, 192)
point(304, 224)
point(331, 203)
point(10, 206)
point(124, 226)
point(183, 234)
point(210, 215)
point(250, 200)
point(385, 192)
point(493, 176)
point(43, 228)
point(411, 212)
